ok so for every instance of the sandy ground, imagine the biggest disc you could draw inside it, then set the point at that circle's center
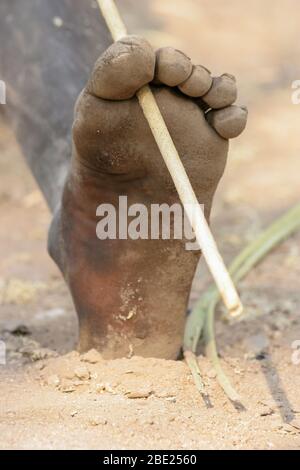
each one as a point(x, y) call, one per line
point(53, 398)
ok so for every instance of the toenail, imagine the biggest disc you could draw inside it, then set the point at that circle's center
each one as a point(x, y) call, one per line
point(229, 75)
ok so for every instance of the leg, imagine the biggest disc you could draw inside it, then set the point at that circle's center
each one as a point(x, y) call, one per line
point(45, 67)
point(130, 295)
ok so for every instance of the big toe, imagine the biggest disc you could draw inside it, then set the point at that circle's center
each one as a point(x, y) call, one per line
point(122, 69)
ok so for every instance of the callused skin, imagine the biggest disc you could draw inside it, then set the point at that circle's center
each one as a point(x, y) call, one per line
point(131, 295)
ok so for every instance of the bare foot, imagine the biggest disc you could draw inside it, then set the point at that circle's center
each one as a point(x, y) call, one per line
point(131, 295)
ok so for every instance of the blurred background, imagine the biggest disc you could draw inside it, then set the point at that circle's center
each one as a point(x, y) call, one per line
point(259, 43)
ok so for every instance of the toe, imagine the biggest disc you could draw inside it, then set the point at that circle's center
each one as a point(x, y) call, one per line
point(229, 122)
point(222, 93)
point(198, 83)
point(122, 69)
point(173, 67)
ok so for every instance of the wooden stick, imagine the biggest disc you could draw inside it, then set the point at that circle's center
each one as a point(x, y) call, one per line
point(181, 181)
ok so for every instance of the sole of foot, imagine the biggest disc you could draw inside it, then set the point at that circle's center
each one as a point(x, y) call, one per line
point(131, 295)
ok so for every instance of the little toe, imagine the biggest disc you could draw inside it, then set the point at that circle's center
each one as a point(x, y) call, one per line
point(123, 69)
point(173, 67)
point(228, 122)
point(222, 93)
point(198, 83)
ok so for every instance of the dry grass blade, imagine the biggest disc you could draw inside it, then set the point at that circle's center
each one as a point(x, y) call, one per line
point(201, 321)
